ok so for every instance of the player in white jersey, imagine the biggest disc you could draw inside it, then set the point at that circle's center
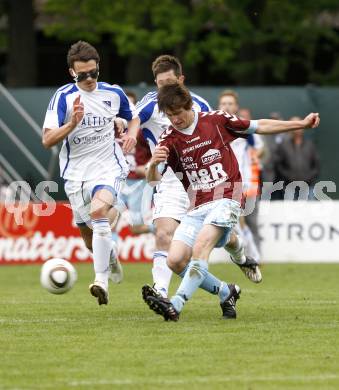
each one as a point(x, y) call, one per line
point(228, 101)
point(81, 115)
point(170, 200)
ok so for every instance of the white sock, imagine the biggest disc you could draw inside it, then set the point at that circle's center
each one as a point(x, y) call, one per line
point(237, 253)
point(102, 246)
point(161, 273)
point(250, 246)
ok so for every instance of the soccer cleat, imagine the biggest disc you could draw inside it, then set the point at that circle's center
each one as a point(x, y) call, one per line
point(115, 269)
point(163, 307)
point(98, 290)
point(228, 306)
point(149, 291)
point(251, 269)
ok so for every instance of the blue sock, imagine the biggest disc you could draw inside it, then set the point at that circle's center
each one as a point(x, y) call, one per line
point(212, 285)
point(196, 273)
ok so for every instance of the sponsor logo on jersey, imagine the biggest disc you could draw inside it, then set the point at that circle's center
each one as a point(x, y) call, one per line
point(187, 163)
point(90, 120)
point(207, 178)
point(91, 140)
point(193, 139)
point(107, 102)
point(210, 156)
point(197, 146)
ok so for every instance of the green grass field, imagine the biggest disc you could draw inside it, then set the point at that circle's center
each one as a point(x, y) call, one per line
point(286, 335)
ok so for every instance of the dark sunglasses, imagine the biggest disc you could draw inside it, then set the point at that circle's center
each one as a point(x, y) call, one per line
point(81, 76)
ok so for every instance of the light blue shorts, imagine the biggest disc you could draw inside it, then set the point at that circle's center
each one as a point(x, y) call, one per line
point(223, 213)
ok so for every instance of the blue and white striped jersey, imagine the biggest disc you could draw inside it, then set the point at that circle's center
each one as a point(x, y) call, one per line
point(90, 150)
point(153, 122)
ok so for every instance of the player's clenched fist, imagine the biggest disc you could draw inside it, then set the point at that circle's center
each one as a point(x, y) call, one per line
point(160, 155)
point(312, 120)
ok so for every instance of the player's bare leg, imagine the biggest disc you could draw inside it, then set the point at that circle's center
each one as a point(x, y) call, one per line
point(87, 235)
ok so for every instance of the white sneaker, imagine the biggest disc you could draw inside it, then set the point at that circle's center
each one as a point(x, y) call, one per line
point(115, 269)
point(99, 290)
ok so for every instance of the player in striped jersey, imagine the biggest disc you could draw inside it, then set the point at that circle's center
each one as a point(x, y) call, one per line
point(170, 200)
point(81, 116)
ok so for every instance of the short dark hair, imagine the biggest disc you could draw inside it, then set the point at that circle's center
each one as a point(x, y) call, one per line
point(82, 51)
point(164, 63)
point(173, 97)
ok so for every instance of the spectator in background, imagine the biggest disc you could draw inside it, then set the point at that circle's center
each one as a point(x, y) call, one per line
point(256, 151)
point(229, 102)
point(296, 159)
point(269, 173)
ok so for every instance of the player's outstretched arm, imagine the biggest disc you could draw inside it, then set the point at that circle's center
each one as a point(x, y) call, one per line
point(271, 126)
point(51, 137)
point(159, 156)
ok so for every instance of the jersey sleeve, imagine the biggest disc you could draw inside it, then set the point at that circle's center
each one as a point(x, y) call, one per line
point(145, 107)
point(127, 109)
point(202, 103)
point(56, 112)
point(236, 126)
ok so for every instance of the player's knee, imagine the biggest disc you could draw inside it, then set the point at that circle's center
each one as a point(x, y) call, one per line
point(176, 263)
point(99, 212)
point(163, 238)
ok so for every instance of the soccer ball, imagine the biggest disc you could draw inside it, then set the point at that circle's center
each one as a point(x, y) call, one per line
point(58, 276)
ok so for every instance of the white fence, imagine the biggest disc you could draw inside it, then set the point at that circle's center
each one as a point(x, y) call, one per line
point(296, 232)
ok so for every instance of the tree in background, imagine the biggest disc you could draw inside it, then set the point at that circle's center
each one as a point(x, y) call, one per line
point(18, 16)
point(249, 42)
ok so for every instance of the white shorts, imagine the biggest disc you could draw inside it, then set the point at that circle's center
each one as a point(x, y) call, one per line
point(170, 202)
point(223, 213)
point(80, 194)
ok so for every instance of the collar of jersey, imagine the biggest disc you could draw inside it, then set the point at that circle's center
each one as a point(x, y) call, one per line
point(189, 130)
point(83, 91)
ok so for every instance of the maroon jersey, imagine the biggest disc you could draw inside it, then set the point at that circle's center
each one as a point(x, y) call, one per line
point(204, 160)
point(140, 155)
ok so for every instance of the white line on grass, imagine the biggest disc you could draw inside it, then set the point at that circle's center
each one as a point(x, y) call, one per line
point(170, 381)
point(184, 381)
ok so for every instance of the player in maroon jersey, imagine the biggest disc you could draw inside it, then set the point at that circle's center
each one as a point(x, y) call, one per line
point(196, 146)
